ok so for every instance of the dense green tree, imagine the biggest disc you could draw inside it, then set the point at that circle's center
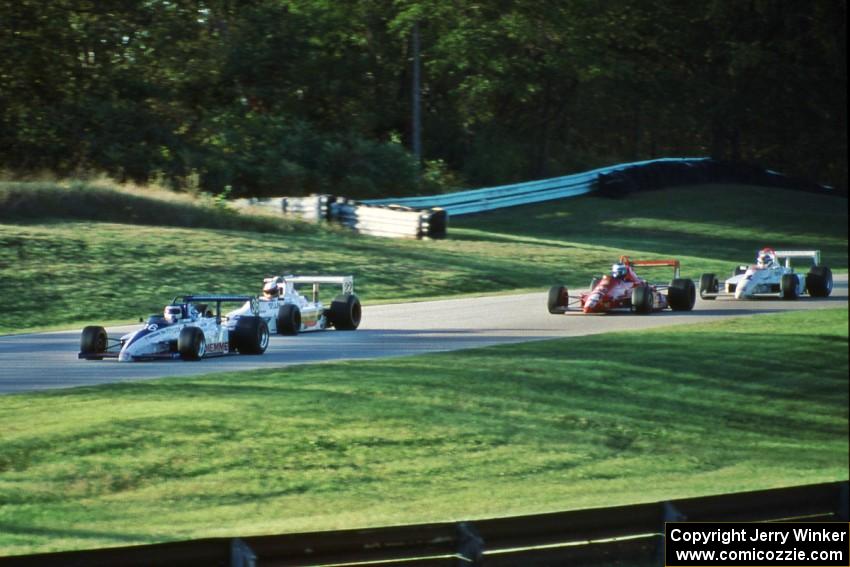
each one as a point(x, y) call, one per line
point(291, 96)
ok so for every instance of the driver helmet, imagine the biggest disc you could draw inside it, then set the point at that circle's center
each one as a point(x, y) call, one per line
point(765, 258)
point(172, 313)
point(272, 287)
point(619, 271)
point(193, 312)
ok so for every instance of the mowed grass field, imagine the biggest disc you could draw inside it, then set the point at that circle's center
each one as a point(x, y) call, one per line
point(742, 404)
point(79, 254)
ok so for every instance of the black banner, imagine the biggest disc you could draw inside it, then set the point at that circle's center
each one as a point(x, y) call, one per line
point(765, 544)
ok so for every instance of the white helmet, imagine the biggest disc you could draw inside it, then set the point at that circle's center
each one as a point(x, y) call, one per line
point(619, 271)
point(273, 287)
point(766, 257)
point(172, 313)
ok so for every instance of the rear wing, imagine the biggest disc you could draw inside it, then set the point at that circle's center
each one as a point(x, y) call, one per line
point(212, 298)
point(290, 281)
point(218, 299)
point(653, 263)
point(347, 282)
point(788, 255)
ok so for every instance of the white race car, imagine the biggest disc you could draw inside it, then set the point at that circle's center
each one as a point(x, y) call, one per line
point(191, 328)
point(771, 277)
point(287, 312)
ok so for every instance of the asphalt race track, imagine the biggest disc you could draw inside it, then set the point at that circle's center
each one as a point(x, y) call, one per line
point(49, 360)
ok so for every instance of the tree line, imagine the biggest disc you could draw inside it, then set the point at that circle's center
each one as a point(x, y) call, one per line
point(262, 97)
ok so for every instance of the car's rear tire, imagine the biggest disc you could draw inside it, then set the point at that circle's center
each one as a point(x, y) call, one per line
point(288, 319)
point(819, 281)
point(191, 343)
point(93, 341)
point(682, 294)
point(643, 299)
point(559, 300)
point(788, 286)
point(345, 312)
point(251, 336)
point(708, 284)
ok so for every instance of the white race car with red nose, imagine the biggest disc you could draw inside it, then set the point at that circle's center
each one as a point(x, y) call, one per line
point(190, 328)
point(771, 276)
point(287, 311)
point(624, 289)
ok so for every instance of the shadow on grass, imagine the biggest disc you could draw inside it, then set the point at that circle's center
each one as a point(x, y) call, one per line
point(40, 202)
point(53, 533)
point(740, 215)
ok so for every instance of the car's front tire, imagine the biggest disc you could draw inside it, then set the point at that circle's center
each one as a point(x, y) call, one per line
point(643, 299)
point(708, 284)
point(559, 300)
point(191, 343)
point(93, 341)
point(789, 286)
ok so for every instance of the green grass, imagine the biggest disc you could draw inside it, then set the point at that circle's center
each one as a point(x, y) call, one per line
point(742, 404)
point(94, 254)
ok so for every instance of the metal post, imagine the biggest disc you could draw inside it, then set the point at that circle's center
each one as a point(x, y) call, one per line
point(241, 555)
point(669, 513)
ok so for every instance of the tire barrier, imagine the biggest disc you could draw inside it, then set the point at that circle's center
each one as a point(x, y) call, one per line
point(393, 221)
point(598, 536)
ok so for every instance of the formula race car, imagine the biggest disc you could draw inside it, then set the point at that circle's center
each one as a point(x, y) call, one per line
point(287, 312)
point(188, 329)
point(623, 289)
point(770, 277)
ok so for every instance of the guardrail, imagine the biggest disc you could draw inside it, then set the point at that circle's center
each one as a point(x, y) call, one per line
point(427, 217)
point(599, 536)
point(490, 198)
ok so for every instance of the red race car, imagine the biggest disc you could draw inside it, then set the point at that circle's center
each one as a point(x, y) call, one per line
point(624, 289)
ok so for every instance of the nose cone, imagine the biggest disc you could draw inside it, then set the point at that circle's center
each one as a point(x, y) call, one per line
point(592, 304)
point(744, 286)
point(134, 345)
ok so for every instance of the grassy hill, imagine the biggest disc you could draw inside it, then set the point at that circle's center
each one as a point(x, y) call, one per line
point(79, 253)
point(552, 425)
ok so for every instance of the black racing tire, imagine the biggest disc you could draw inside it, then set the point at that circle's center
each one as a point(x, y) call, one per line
point(559, 299)
point(251, 336)
point(345, 312)
point(682, 294)
point(93, 340)
point(819, 281)
point(191, 343)
point(788, 286)
point(643, 299)
point(288, 320)
point(708, 284)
